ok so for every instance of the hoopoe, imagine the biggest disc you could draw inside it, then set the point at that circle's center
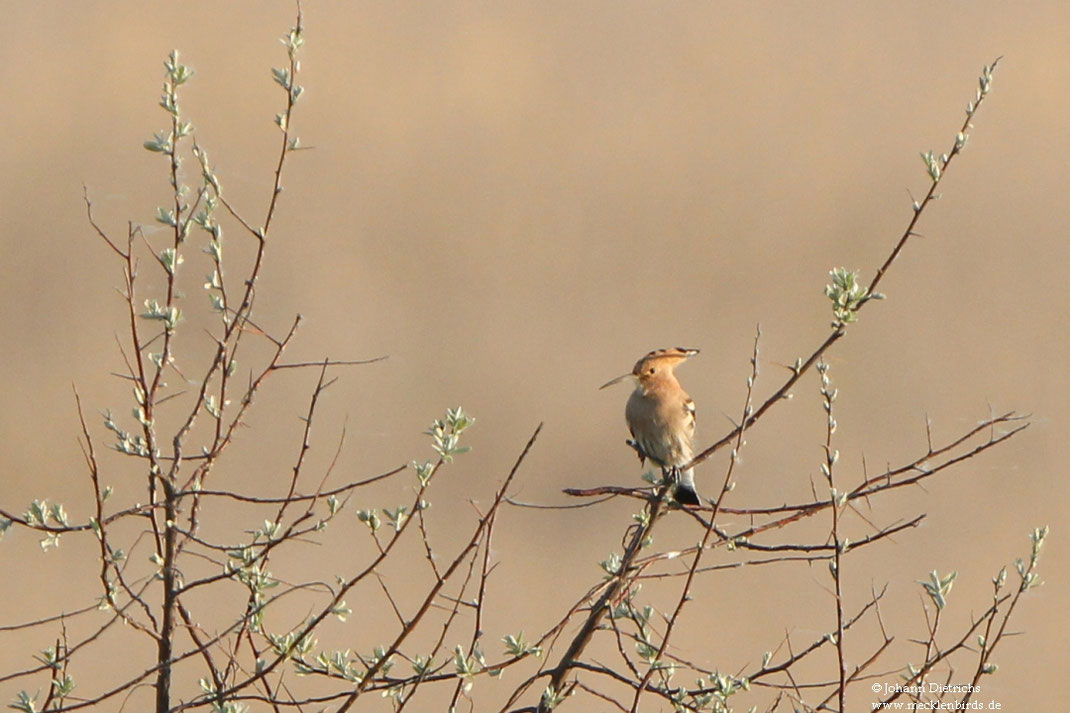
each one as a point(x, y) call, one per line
point(661, 417)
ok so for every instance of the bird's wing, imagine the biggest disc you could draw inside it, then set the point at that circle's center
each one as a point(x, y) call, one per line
point(689, 411)
point(634, 443)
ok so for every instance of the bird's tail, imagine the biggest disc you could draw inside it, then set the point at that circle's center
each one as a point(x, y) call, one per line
point(685, 492)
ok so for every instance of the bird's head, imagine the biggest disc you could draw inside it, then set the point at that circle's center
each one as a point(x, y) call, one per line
point(656, 365)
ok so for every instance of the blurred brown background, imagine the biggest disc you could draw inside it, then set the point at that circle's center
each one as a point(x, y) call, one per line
point(516, 200)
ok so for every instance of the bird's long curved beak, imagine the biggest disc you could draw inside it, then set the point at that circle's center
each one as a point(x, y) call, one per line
point(620, 378)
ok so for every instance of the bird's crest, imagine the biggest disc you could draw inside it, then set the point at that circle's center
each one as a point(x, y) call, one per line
point(670, 357)
point(646, 367)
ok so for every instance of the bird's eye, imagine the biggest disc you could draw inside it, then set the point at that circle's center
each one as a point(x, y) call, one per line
point(651, 370)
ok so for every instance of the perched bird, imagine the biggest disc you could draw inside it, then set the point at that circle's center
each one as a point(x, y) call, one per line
point(661, 417)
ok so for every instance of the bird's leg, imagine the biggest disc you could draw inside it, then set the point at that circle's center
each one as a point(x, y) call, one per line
point(669, 476)
point(683, 492)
